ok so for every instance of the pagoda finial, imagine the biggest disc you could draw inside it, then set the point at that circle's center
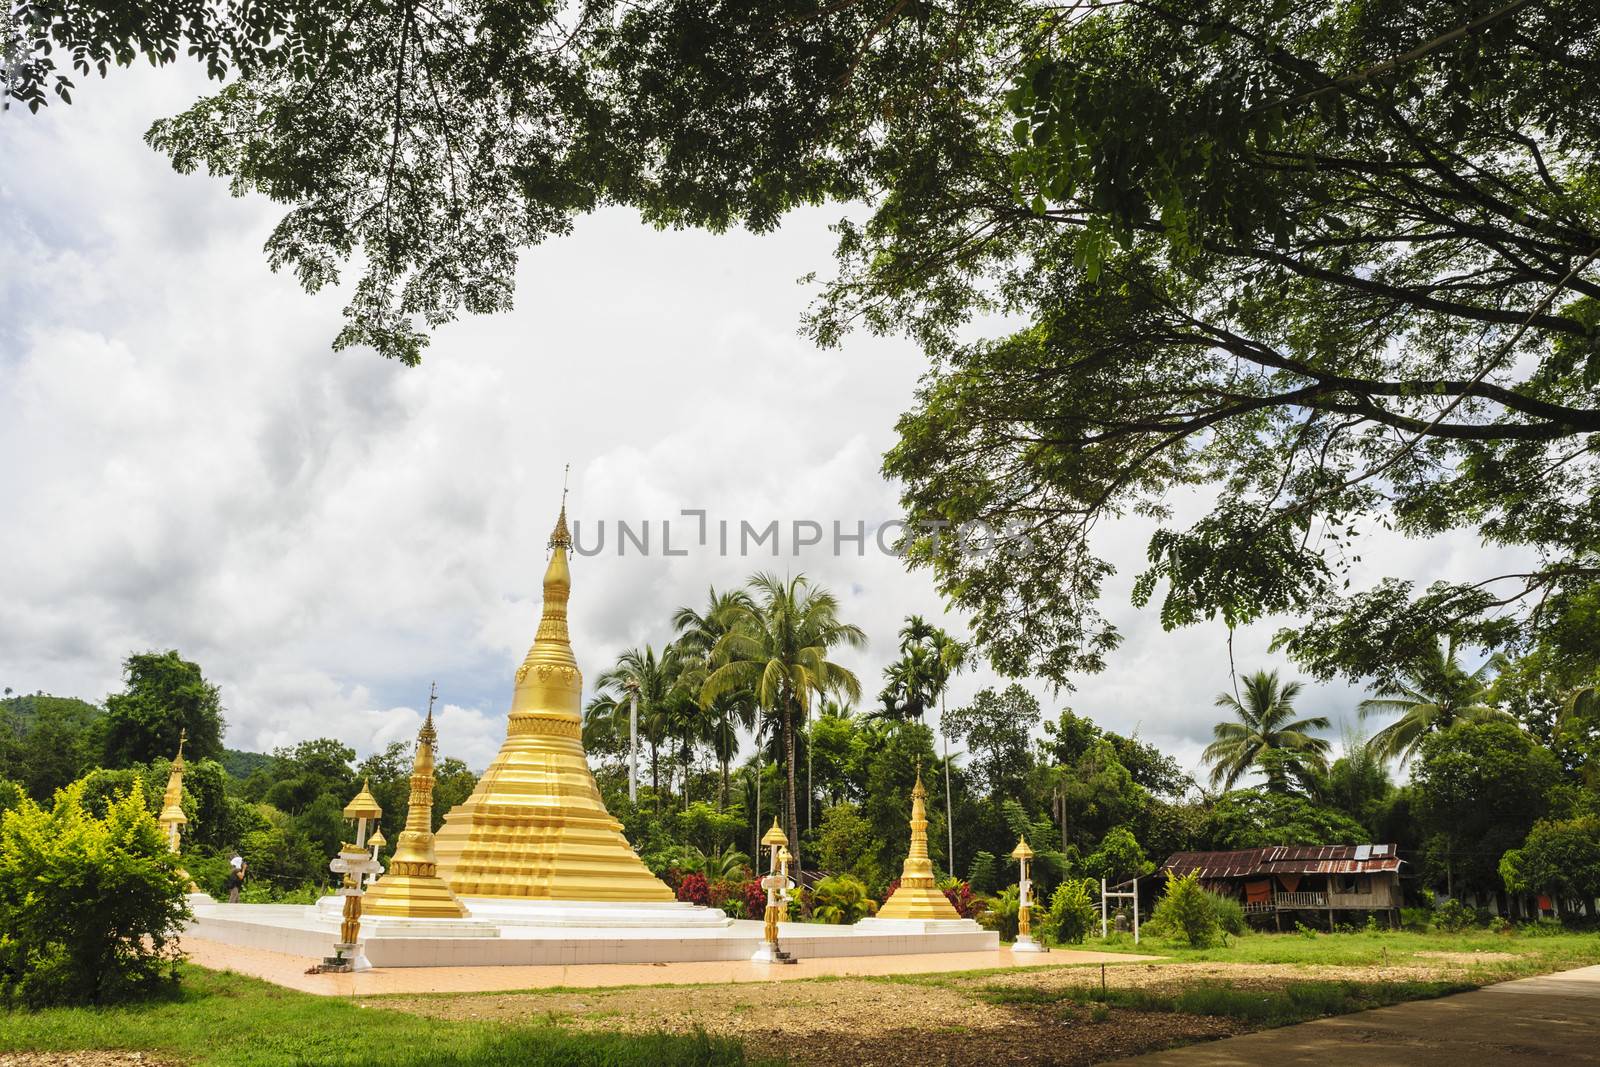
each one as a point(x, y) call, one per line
point(429, 735)
point(559, 537)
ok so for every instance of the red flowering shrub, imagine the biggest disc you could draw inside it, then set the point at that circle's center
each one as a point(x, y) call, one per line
point(729, 895)
point(693, 888)
point(755, 899)
point(889, 891)
point(962, 898)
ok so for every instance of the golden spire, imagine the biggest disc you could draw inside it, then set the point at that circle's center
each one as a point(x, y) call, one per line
point(172, 816)
point(918, 895)
point(413, 889)
point(535, 826)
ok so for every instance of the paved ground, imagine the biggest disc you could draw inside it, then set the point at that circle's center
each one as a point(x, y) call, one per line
point(1551, 1019)
point(290, 971)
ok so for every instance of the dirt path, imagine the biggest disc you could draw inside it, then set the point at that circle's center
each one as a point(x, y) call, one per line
point(1547, 1020)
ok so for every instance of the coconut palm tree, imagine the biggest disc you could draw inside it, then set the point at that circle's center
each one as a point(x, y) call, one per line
point(1436, 693)
point(777, 647)
point(698, 634)
point(650, 679)
point(1266, 735)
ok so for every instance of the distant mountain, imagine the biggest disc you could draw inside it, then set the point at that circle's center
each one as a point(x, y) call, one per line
point(22, 713)
point(242, 765)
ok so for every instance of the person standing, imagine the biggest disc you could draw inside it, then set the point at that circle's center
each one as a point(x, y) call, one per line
point(235, 880)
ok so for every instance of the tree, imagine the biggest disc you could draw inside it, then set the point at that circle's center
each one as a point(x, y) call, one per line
point(1186, 911)
point(47, 742)
point(1559, 859)
point(846, 845)
point(1479, 788)
point(996, 728)
point(698, 634)
point(650, 679)
point(777, 647)
point(1266, 735)
point(1335, 261)
point(92, 906)
point(1118, 858)
point(1254, 818)
point(166, 695)
point(1433, 694)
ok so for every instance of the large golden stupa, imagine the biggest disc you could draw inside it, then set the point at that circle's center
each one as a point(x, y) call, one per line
point(918, 896)
point(535, 827)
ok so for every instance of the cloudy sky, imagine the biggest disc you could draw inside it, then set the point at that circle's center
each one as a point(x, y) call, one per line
point(185, 463)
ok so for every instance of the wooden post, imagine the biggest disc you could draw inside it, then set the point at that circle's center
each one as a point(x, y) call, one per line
point(1103, 930)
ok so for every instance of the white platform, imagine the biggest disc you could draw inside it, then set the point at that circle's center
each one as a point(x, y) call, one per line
point(304, 930)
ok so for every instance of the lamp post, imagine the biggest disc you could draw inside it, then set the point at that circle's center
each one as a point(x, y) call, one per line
point(776, 883)
point(1024, 857)
point(355, 866)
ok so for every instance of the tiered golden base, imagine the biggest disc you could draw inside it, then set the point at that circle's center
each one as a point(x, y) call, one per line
point(535, 827)
point(400, 894)
point(918, 902)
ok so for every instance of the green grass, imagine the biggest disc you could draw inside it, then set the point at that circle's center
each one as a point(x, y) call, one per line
point(1293, 1003)
point(1534, 954)
point(227, 1019)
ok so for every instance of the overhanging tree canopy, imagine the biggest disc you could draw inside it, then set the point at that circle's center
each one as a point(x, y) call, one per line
point(1337, 261)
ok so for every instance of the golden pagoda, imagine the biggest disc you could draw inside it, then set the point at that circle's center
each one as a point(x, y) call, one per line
point(535, 827)
point(918, 896)
point(413, 889)
point(172, 818)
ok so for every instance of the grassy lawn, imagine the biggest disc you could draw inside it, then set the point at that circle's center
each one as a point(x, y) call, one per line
point(219, 1018)
point(1499, 955)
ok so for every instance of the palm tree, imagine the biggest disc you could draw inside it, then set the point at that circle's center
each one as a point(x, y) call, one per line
point(1434, 694)
point(1266, 735)
point(777, 647)
point(643, 677)
point(950, 659)
point(698, 634)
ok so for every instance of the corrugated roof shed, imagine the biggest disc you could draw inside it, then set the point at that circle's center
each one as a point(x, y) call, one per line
point(1286, 859)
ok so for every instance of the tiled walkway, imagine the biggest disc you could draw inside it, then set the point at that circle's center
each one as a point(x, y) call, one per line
point(290, 970)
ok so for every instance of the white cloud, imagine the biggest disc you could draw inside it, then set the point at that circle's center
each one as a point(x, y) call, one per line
point(190, 466)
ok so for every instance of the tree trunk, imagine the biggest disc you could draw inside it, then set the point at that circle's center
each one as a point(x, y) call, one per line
point(789, 800)
point(949, 811)
point(655, 774)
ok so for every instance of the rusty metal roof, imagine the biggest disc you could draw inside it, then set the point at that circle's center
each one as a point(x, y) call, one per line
point(1286, 859)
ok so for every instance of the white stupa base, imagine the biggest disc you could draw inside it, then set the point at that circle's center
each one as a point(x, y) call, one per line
point(764, 954)
point(606, 915)
point(1026, 943)
point(199, 900)
point(483, 940)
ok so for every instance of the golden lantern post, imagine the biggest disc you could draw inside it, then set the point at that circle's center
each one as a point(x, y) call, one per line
point(172, 818)
point(355, 865)
point(1024, 857)
point(776, 883)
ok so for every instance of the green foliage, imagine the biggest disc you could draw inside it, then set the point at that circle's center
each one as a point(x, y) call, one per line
point(1072, 912)
point(1266, 736)
point(90, 905)
point(1118, 858)
point(165, 695)
point(1186, 911)
point(1561, 859)
point(1229, 913)
point(1250, 818)
point(841, 900)
point(47, 742)
point(1480, 787)
point(846, 846)
point(983, 873)
point(996, 728)
point(219, 1019)
point(1000, 912)
point(1452, 916)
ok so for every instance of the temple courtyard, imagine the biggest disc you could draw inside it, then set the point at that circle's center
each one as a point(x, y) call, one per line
point(1234, 1004)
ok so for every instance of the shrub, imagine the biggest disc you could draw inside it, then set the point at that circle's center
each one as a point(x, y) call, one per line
point(728, 894)
point(90, 908)
point(841, 900)
point(1229, 913)
point(1417, 920)
point(962, 898)
point(1000, 913)
point(1072, 913)
point(693, 889)
point(1186, 911)
point(981, 873)
point(1453, 916)
point(755, 899)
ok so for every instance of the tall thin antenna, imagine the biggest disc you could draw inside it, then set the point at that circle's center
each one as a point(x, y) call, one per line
point(565, 471)
point(433, 694)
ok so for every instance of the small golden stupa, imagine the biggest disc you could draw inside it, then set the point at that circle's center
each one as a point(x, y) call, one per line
point(413, 889)
point(535, 827)
point(172, 818)
point(918, 896)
